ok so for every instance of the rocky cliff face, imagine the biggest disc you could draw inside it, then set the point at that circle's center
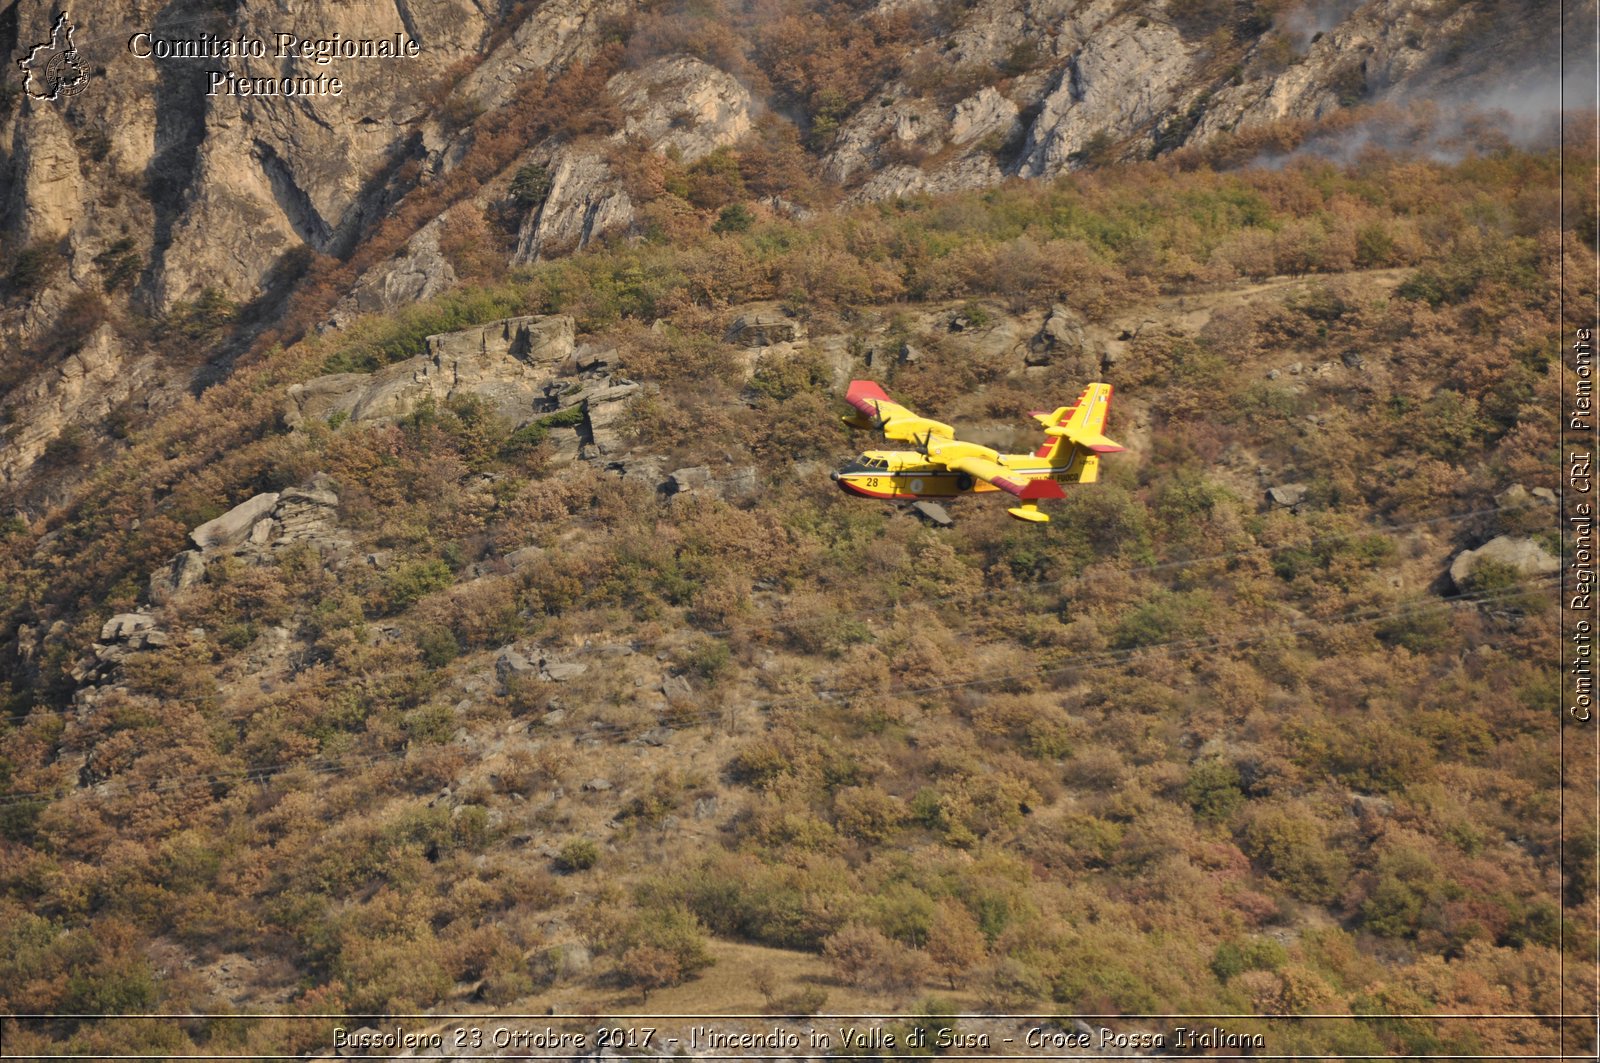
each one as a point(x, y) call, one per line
point(161, 185)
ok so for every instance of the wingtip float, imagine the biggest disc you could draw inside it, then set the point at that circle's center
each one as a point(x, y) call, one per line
point(943, 466)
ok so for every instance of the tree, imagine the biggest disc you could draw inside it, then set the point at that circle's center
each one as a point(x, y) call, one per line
point(954, 941)
point(531, 186)
point(864, 957)
point(649, 968)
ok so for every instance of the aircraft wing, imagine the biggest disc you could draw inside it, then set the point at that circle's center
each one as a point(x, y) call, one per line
point(878, 410)
point(982, 468)
point(1082, 424)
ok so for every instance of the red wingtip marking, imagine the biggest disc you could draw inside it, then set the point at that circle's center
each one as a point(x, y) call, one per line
point(1044, 488)
point(864, 389)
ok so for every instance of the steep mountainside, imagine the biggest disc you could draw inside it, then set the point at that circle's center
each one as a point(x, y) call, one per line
point(156, 231)
point(422, 591)
point(514, 653)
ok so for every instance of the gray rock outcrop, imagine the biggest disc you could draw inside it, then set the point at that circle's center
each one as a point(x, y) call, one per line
point(986, 113)
point(1061, 341)
point(764, 325)
point(682, 105)
point(1123, 74)
point(1287, 495)
point(233, 527)
point(676, 105)
point(177, 575)
point(1523, 556)
point(506, 362)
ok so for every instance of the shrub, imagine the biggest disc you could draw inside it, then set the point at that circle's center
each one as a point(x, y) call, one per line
point(1213, 790)
point(863, 957)
point(120, 264)
point(34, 266)
point(406, 584)
point(438, 646)
point(803, 1004)
point(714, 181)
point(676, 941)
point(530, 186)
point(579, 854)
point(1099, 150)
point(202, 320)
point(1251, 954)
point(955, 943)
point(1294, 849)
point(649, 967)
point(734, 218)
point(1011, 985)
point(1164, 619)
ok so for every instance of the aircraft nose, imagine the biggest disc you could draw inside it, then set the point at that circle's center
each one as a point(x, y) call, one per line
point(834, 476)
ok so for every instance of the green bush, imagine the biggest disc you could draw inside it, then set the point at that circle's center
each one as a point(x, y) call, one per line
point(406, 584)
point(674, 931)
point(531, 186)
point(1213, 790)
point(1294, 850)
point(1250, 954)
point(1166, 618)
point(579, 854)
point(438, 645)
point(34, 265)
point(734, 218)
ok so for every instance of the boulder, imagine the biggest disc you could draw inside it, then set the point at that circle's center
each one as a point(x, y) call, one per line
point(524, 556)
point(933, 513)
point(677, 691)
point(764, 326)
point(561, 671)
point(125, 626)
point(688, 479)
point(420, 271)
point(681, 105)
point(1519, 497)
point(585, 202)
point(1289, 495)
point(510, 664)
point(1125, 72)
point(232, 528)
point(741, 482)
point(185, 570)
point(606, 417)
point(1524, 556)
point(981, 114)
point(1061, 338)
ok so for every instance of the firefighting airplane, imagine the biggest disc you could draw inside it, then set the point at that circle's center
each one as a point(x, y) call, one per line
point(942, 465)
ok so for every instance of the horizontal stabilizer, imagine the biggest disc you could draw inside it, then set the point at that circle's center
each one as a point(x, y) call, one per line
point(1088, 440)
point(1081, 424)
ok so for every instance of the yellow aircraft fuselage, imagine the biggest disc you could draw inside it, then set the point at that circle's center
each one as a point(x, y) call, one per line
point(906, 474)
